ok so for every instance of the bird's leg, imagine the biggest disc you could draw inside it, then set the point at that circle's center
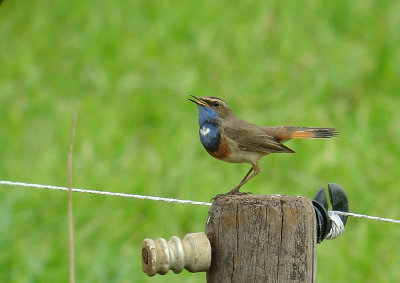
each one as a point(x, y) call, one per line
point(248, 173)
point(236, 189)
point(246, 178)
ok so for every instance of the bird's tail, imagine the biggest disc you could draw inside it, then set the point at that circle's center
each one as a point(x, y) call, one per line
point(310, 133)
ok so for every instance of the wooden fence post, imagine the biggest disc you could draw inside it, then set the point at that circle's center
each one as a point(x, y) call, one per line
point(258, 238)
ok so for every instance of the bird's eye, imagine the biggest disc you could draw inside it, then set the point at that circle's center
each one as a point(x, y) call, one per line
point(216, 103)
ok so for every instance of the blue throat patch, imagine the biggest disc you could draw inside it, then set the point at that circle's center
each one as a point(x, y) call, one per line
point(209, 133)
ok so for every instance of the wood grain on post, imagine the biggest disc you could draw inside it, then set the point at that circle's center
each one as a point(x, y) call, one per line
point(257, 238)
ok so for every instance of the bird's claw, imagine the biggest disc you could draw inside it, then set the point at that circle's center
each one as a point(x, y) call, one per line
point(234, 192)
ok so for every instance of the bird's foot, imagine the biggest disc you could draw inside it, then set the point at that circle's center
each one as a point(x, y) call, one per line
point(234, 191)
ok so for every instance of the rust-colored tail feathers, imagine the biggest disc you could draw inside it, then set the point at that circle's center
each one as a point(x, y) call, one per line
point(311, 133)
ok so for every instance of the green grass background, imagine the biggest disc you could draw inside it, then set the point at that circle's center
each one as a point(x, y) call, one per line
point(127, 68)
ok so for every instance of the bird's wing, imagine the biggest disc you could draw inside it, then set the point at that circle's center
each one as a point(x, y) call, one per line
point(250, 137)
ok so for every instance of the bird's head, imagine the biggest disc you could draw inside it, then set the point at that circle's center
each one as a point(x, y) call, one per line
point(211, 108)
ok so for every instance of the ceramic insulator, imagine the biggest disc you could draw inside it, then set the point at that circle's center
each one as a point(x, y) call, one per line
point(193, 253)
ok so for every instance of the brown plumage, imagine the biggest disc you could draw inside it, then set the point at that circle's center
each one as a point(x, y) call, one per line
point(229, 138)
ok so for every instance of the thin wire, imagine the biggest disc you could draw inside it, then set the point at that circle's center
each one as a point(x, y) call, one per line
point(170, 200)
point(367, 217)
point(20, 184)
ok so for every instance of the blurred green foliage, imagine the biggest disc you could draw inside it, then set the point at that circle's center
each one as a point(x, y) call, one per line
point(127, 68)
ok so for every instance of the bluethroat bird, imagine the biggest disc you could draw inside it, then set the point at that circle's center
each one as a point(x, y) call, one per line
point(229, 138)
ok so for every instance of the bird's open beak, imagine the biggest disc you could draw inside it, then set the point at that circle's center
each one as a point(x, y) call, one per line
point(198, 100)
